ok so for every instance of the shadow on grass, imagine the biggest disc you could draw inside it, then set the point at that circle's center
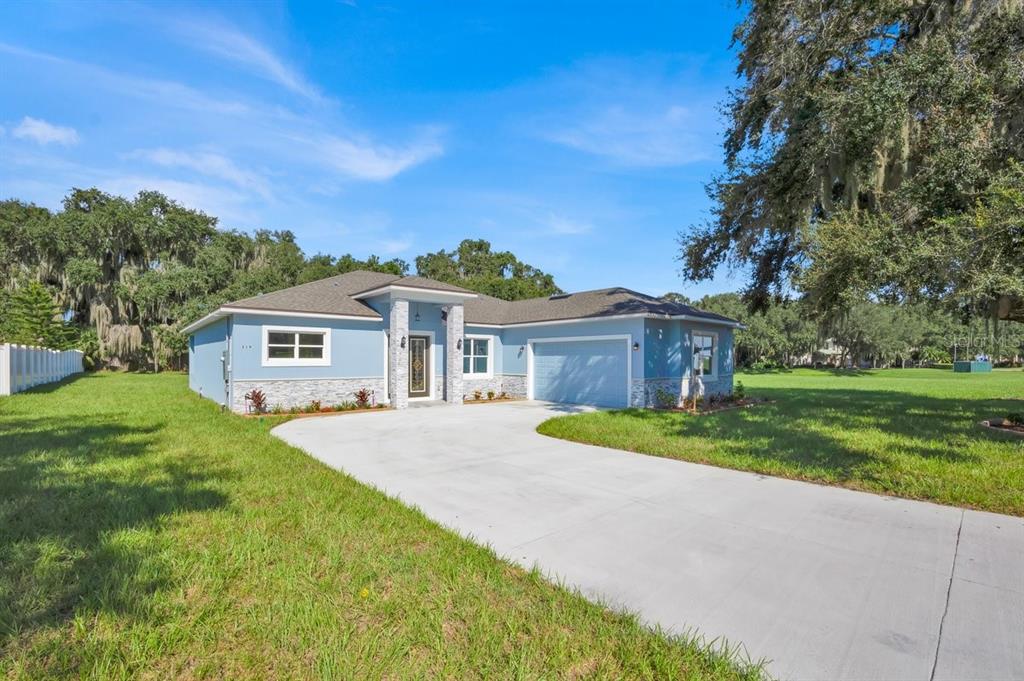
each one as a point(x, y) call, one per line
point(824, 428)
point(56, 385)
point(73, 493)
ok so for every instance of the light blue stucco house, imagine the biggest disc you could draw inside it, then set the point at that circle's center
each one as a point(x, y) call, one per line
point(412, 338)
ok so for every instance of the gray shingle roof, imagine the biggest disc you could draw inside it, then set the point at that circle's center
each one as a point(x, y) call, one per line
point(334, 296)
point(600, 303)
point(422, 282)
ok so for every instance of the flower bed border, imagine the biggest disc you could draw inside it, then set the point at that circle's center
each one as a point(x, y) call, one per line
point(495, 400)
point(305, 414)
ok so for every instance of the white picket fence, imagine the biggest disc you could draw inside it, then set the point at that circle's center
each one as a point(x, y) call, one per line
point(24, 366)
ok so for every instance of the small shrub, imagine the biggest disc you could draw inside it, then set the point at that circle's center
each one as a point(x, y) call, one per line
point(767, 365)
point(739, 391)
point(293, 410)
point(257, 400)
point(363, 397)
point(314, 406)
point(278, 409)
point(503, 396)
point(490, 394)
point(477, 395)
point(665, 399)
point(1015, 418)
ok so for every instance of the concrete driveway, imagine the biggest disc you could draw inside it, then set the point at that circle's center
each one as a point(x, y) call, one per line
point(826, 583)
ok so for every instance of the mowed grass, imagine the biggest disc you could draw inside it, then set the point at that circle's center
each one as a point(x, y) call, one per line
point(143, 533)
point(905, 432)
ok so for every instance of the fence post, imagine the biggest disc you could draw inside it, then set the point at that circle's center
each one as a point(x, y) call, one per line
point(18, 360)
point(23, 351)
point(5, 369)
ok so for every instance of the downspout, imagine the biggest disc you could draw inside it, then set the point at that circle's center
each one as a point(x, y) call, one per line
point(229, 377)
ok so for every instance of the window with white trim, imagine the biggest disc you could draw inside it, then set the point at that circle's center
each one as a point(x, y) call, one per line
point(704, 349)
point(476, 356)
point(296, 346)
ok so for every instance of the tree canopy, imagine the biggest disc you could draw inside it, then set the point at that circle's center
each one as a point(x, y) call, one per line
point(871, 151)
point(120, 277)
point(475, 266)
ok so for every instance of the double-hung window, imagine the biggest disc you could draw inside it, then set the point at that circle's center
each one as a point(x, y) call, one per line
point(296, 346)
point(476, 356)
point(704, 348)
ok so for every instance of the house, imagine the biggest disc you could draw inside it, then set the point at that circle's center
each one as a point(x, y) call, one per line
point(411, 338)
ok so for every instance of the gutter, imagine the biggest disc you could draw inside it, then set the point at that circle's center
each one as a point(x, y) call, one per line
point(225, 311)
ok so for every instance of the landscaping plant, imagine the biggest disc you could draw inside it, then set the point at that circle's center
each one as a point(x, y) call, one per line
point(363, 398)
point(257, 400)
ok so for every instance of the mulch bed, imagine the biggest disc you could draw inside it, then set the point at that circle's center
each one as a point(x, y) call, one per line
point(496, 399)
point(325, 412)
point(727, 406)
point(1003, 426)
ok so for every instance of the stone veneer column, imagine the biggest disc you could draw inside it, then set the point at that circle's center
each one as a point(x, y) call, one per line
point(453, 369)
point(398, 357)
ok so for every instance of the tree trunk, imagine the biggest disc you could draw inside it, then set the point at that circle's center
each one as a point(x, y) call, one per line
point(1010, 308)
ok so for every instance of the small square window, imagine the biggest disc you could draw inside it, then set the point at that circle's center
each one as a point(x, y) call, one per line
point(476, 356)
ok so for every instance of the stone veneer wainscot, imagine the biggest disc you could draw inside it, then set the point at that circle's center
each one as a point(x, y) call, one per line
point(300, 392)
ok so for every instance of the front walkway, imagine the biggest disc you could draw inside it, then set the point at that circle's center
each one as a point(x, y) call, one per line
point(827, 583)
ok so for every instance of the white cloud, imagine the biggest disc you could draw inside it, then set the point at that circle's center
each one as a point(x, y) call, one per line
point(230, 43)
point(206, 163)
point(663, 137)
point(163, 92)
point(559, 224)
point(360, 158)
point(395, 246)
point(41, 132)
point(644, 112)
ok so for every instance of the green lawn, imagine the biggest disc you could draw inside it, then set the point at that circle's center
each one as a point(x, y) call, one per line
point(910, 433)
point(143, 533)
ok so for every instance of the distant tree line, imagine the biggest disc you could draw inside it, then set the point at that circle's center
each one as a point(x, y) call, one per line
point(788, 333)
point(120, 277)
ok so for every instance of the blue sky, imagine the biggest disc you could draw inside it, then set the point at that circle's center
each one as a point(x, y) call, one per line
point(578, 135)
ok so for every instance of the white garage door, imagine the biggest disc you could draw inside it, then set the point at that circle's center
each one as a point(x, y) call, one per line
point(582, 372)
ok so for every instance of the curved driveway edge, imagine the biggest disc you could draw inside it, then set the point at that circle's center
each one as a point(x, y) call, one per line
point(826, 583)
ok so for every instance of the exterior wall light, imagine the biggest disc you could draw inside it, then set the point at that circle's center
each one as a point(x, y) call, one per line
point(403, 341)
point(636, 346)
point(458, 344)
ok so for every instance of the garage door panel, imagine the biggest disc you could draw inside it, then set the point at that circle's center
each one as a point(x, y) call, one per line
point(581, 372)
